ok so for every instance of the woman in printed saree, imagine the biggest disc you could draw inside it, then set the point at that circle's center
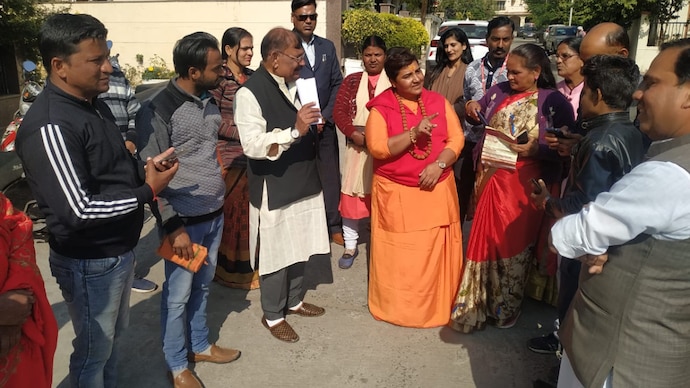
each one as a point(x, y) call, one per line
point(506, 225)
point(414, 137)
point(28, 331)
point(233, 269)
point(350, 115)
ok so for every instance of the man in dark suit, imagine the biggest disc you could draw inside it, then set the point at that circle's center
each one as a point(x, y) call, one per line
point(323, 65)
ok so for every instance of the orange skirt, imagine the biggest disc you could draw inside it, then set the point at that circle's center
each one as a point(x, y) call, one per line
point(416, 253)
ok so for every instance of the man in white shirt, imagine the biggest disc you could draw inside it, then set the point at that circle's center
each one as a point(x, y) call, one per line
point(629, 320)
point(286, 209)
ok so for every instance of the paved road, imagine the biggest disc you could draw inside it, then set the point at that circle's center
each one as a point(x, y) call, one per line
point(344, 348)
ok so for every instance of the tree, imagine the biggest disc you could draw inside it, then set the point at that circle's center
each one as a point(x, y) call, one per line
point(467, 9)
point(591, 12)
point(362, 4)
point(395, 30)
point(20, 22)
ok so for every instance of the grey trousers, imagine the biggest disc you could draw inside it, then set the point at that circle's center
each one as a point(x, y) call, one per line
point(281, 290)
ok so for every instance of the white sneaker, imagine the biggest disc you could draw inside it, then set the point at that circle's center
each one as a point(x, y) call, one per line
point(143, 286)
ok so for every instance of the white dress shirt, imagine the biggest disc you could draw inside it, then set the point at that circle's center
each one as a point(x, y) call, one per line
point(651, 199)
point(309, 51)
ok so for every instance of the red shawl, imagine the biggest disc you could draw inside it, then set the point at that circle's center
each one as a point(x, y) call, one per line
point(30, 362)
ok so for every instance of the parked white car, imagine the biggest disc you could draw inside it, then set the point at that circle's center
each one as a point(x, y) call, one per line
point(476, 33)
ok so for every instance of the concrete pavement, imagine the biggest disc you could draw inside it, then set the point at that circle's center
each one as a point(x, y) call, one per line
point(344, 348)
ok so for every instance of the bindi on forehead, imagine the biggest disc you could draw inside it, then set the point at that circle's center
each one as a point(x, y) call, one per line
point(411, 68)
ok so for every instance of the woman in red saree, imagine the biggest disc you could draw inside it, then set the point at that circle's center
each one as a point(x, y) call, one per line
point(28, 331)
point(506, 225)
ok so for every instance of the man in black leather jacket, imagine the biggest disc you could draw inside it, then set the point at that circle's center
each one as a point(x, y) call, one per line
point(611, 147)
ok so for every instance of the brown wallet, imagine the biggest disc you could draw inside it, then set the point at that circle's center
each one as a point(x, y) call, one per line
point(193, 264)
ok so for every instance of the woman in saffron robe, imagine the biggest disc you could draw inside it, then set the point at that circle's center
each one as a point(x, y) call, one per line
point(28, 331)
point(233, 269)
point(414, 137)
point(350, 115)
point(506, 225)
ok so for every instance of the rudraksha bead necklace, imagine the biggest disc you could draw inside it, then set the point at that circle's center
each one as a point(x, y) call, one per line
point(411, 150)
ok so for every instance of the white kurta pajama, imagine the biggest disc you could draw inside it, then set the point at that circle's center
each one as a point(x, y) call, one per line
point(290, 234)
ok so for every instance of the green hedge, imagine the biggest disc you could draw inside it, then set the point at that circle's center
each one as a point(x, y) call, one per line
point(395, 30)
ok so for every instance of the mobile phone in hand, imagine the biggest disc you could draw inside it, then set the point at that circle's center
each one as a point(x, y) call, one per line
point(174, 156)
point(523, 138)
point(556, 132)
point(536, 188)
point(482, 119)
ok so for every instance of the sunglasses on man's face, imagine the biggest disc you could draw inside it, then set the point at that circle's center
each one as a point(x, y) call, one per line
point(303, 18)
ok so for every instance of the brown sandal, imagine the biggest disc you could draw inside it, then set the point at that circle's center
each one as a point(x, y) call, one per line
point(283, 331)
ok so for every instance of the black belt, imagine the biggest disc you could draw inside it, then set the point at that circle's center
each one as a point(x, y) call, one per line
point(203, 218)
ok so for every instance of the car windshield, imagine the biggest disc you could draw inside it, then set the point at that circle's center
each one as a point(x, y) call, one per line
point(472, 31)
point(566, 31)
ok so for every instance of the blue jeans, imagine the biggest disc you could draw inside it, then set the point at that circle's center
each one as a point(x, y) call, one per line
point(96, 292)
point(183, 304)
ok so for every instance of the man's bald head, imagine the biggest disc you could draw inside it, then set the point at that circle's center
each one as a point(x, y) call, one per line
point(605, 39)
point(278, 39)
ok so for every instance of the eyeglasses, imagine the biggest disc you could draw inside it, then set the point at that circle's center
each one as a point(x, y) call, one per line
point(296, 59)
point(303, 18)
point(565, 57)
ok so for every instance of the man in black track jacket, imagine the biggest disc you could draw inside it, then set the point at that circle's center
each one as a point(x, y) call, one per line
point(90, 188)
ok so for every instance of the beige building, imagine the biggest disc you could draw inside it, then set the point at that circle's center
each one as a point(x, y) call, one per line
point(647, 36)
point(151, 27)
point(516, 10)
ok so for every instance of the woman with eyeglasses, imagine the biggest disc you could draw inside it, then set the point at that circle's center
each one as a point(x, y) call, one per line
point(233, 268)
point(505, 228)
point(569, 64)
point(414, 136)
point(350, 114)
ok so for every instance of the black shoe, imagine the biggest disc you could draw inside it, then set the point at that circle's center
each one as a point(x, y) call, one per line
point(542, 384)
point(547, 344)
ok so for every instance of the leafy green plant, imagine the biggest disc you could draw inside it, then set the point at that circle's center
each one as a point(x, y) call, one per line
point(20, 22)
point(157, 69)
point(395, 30)
point(133, 74)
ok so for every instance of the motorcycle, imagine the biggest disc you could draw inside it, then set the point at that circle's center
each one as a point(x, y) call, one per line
point(30, 90)
point(13, 183)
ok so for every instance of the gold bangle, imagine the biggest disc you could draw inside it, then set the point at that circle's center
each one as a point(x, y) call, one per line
point(412, 139)
point(468, 103)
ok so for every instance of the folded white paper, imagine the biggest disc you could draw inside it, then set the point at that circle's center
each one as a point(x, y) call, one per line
point(306, 89)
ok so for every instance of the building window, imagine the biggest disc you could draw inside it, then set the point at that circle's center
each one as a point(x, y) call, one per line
point(500, 6)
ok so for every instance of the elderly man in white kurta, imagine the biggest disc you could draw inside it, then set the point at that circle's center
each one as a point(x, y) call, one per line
point(286, 214)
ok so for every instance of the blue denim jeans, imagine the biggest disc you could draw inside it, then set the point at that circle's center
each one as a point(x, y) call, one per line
point(183, 304)
point(96, 292)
